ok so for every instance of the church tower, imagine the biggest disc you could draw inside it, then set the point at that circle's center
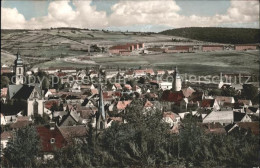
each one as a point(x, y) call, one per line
point(19, 70)
point(176, 85)
point(101, 114)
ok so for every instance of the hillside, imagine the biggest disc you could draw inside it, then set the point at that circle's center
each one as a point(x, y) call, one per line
point(219, 35)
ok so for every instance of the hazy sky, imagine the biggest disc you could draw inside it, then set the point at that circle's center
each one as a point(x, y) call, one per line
point(142, 15)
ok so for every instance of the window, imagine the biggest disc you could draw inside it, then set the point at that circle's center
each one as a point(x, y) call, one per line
point(35, 107)
point(101, 125)
point(52, 140)
point(19, 70)
point(35, 94)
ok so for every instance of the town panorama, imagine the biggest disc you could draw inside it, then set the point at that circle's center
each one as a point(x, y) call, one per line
point(79, 96)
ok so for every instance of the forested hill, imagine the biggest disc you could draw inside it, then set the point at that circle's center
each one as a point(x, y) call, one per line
point(219, 35)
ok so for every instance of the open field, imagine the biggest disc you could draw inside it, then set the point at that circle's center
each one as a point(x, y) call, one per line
point(194, 63)
point(58, 47)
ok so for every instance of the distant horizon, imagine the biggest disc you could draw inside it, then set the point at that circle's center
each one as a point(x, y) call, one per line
point(127, 30)
point(123, 15)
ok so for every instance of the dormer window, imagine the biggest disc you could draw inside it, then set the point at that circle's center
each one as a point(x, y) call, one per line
point(52, 140)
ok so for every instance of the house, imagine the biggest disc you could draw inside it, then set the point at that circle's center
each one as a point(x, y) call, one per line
point(74, 133)
point(148, 105)
point(186, 105)
point(187, 92)
point(116, 87)
point(213, 128)
point(4, 94)
point(160, 72)
point(137, 89)
point(75, 87)
point(252, 110)
point(242, 47)
point(149, 72)
point(224, 99)
point(71, 119)
point(179, 49)
point(93, 74)
point(5, 137)
point(226, 117)
point(51, 139)
point(21, 122)
point(173, 120)
point(246, 103)
point(165, 85)
point(129, 74)
point(128, 87)
point(110, 120)
point(252, 127)
point(50, 92)
point(3, 121)
point(172, 96)
point(121, 105)
point(212, 48)
point(241, 117)
point(223, 117)
point(210, 104)
point(139, 73)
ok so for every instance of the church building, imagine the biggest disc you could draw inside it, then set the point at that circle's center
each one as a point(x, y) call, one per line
point(20, 91)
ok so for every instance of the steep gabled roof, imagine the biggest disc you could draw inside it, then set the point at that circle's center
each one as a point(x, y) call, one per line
point(172, 96)
point(46, 135)
point(207, 103)
point(71, 132)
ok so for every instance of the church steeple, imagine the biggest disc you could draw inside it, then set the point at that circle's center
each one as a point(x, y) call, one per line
point(101, 114)
point(176, 85)
point(19, 69)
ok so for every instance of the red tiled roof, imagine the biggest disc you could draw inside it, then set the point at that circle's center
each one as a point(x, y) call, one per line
point(70, 132)
point(172, 115)
point(121, 105)
point(4, 92)
point(207, 103)
point(253, 126)
point(171, 96)
point(127, 86)
point(148, 104)
point(224, 99)
point(49, 104)
point(46, 135)
point(6, 135)
point(244, 102)
point(20, 123)
point(94, 91)
point(118, 86)
point(187, 92)
point(118, 119)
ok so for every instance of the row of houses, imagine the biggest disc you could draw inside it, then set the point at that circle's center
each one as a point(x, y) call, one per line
point(125, 49)
point(204, 48)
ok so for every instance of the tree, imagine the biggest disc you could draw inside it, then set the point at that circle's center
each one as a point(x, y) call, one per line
point(231, 92)
point(23, 149)
point(4, 81)
point(250, 92)
point(215, 92)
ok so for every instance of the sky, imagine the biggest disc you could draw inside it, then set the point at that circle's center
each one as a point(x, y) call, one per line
point(133, 15)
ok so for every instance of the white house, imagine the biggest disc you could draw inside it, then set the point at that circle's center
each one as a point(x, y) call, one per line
point(165, 85)
point(5, 137)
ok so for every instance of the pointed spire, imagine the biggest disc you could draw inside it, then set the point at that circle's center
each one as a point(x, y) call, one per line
point(101, 109)
point(18, 53)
